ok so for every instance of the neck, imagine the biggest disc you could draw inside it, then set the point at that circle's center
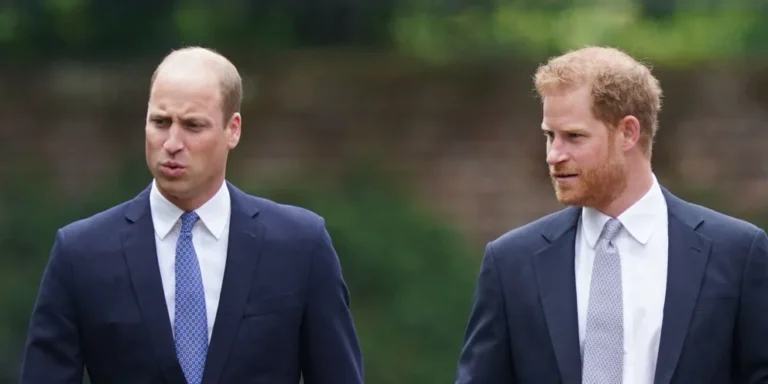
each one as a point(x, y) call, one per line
point(638, 185)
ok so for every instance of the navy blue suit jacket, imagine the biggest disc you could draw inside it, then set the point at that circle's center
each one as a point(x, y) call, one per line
point(283, 312)
point(523, 327)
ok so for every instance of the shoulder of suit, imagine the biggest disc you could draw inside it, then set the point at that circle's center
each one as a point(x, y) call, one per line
point(718, 225)
point(530, 234)
point(97, 224)
point(272, 213)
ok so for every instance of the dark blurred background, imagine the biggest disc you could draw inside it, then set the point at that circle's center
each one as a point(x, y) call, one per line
point(410, 125)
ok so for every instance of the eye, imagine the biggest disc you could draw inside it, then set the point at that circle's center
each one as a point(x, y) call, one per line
point(549, 134)
point(575, 135)
point(161, 121)
point(194, 125)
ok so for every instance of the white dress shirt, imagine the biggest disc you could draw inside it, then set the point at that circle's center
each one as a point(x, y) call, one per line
point(643, 246)
point(210, 236)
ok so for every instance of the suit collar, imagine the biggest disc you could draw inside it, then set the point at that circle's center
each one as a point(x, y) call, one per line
point(560, 224)
point(138, 207)
point(682, 210)
point(242, 202)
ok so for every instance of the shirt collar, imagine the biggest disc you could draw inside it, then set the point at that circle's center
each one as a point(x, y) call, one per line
point(640, 220)
point(214, 214)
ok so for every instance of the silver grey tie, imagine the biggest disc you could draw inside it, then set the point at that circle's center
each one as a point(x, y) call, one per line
point(604, 336)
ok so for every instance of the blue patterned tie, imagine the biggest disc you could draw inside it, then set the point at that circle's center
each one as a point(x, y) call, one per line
point(190, 322)
point(604, 340)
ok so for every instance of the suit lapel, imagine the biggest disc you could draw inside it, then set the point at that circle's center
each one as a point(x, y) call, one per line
point(245, 241)
point(141, 257)
point(555, 276)
point(687, 261)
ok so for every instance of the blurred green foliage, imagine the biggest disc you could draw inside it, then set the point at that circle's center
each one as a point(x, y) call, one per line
point(669, 32)
point(47, 29)
point(690, 34)
point(410, 275)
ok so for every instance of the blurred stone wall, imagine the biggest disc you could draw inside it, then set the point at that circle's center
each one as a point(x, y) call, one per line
point(465, 136)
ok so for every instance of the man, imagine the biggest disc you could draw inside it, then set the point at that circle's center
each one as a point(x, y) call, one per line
point(193, 281)
point(629, 284)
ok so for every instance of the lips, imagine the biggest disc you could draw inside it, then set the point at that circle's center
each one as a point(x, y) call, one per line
point(172, 169)
point(565, 178)
point(172, 165)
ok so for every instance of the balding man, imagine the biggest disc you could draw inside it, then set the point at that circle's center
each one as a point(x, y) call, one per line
point(193, 281)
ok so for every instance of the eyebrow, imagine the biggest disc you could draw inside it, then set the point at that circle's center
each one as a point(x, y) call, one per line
point(163, 115)
point(566, 129)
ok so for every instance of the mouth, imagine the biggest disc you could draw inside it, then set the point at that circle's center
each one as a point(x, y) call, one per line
point(565, 176)
point(172, 170)
point(172, 165)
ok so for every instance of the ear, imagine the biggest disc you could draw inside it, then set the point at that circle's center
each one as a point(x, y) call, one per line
point(234, 127)
point(629, 127)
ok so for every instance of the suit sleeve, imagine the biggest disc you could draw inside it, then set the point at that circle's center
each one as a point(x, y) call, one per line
point(52, 351)
point(485, 357)
point(330, 350)
point(752, 329)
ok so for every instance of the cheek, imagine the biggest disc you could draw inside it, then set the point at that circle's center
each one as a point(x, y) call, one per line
point(153, 144)
point(207, 150)
point(592, 155)
point(153, 138)
point(151, 147)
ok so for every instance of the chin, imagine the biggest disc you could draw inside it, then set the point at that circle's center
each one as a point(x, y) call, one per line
point(571, 202)
point(176, 188)
point(570, 198)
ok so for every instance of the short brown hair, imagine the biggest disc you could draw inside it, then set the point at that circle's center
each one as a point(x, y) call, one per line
point(620, 86)
point(229, 79)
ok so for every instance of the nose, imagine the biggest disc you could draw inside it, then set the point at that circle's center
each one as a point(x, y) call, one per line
point(173, 143)
point(555, 154)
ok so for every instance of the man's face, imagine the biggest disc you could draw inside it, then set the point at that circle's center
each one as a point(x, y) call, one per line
point(586, 164)
point(187, 142)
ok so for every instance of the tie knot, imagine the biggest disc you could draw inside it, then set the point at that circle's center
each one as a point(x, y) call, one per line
point(188, 220)
point(611, 229)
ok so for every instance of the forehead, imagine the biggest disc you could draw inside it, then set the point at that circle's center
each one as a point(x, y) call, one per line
point(568, 108)
point(185, 87)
